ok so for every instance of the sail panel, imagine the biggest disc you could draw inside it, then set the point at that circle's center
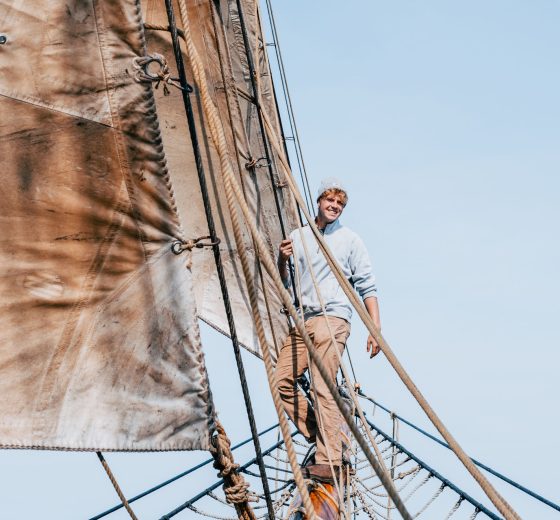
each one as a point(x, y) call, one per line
point(99, 339)
point(216, 30)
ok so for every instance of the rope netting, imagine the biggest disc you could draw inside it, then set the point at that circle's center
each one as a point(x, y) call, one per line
point(426, 493)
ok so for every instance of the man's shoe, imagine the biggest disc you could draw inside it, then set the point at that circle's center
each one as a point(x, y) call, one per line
point(321, 472)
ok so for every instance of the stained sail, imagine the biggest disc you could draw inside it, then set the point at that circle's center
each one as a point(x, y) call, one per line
point(227, 48)
point(99, 342)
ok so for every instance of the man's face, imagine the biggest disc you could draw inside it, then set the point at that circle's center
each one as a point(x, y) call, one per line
point(330, 207)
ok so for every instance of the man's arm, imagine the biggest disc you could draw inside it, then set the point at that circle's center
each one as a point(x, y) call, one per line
point(372, 308)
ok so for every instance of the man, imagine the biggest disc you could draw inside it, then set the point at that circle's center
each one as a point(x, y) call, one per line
point(312, 268)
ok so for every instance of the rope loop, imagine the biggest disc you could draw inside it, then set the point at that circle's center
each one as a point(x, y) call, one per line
point(146, 74)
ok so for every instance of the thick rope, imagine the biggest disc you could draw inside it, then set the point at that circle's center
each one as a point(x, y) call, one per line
point(116, 485)
point(218, 137)
point(235, 487)
point(454, 508)
point(500, 503)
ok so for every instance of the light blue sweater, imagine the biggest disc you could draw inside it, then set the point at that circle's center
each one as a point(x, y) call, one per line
point(352, 256)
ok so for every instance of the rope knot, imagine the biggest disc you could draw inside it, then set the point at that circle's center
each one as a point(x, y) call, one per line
point(236, 488)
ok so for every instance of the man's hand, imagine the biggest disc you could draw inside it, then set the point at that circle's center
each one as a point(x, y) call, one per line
point(372, 346)
point(286, 250)
point(373, 310)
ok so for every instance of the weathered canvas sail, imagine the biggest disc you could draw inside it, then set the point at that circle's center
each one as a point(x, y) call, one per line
point(219, 38)
point(99, 343)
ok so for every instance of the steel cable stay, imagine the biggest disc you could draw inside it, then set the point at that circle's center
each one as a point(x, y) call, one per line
point(478, 463)
point(289, 109)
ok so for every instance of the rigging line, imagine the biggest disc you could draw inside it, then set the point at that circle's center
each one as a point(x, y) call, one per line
point(177, 477)
point(118, 489)
point(233, 193)
point(478, 463)
point(217, 484)
point(436, 474)
point(256, 100)
point(213, 235)
point(288, 100)
point(216, 18)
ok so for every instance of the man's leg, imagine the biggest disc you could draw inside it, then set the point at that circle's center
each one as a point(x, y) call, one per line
point(329, 444)
point(292, 363)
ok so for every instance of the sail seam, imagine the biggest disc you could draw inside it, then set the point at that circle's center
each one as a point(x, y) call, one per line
point(47, 106)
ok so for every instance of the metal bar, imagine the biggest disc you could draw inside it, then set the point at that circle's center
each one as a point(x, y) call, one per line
point(478, 463)
point(176, 477)
point(439, 476)
point(217, 484)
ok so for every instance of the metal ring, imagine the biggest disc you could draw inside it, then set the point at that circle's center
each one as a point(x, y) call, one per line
point(3, 39)
point(177, 247)
point(146, 66)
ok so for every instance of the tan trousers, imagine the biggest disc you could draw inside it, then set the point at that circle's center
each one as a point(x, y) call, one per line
point(292, 362)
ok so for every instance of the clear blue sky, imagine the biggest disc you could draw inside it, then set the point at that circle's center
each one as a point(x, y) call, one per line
point(442, 119)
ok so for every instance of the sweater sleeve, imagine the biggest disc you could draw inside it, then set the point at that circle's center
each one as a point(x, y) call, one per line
point(362, 277)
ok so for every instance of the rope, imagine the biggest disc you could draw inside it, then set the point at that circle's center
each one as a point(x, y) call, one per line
point(210, 515)
point(431, 501)
point(155, 27)
point(478, 463)
point(216, 250)
point(440, 477)
point(235, 486)
point(218, 137)
point(113, 480)
point(232, 103)
point(504, 508)
point(454, 508)
point(475, 514)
